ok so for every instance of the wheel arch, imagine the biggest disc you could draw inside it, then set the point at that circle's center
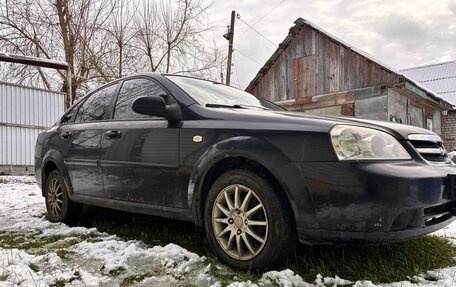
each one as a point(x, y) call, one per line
point(51, 161)
point(248, 153)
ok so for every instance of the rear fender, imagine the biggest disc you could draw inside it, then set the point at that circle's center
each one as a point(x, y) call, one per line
point(56, 158)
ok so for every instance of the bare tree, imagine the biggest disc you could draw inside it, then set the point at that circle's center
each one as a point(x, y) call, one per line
point(57, 29)
point(147, 34)
point(19, 34)
point(171, 37)
point(119, 38)
point(105, 39)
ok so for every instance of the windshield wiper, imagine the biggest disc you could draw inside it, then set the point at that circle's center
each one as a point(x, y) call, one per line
point(236, 106)
point(224, 106)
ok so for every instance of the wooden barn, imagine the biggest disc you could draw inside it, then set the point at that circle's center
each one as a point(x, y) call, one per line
point(313, 71)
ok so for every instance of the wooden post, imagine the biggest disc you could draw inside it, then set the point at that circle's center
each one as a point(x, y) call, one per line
point(69, 89)
point(230, 47)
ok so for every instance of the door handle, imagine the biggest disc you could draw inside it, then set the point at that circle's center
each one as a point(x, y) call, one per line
point(65, 135)
point(113, 134)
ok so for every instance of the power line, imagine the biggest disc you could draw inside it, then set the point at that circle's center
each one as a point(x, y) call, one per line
point(237, 72)
point(221, 20)
point(243, 54)
point(264, 16)
point(270, 11)
point(218, 27)
point(264, 37)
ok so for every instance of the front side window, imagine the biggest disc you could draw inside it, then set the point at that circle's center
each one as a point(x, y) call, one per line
point(131, 90)
point(95, 108)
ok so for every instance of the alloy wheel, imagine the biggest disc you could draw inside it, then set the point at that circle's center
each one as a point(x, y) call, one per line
point(55, 197)
point(240, 222)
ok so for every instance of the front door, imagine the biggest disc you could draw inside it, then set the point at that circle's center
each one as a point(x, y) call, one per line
point(140, 156)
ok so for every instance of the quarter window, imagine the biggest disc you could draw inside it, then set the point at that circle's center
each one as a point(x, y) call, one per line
point(132, 89)
point(95, 108)
point(69, 114)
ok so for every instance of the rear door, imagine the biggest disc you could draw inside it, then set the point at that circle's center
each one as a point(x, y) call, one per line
point(140, 156)
point(83, 139)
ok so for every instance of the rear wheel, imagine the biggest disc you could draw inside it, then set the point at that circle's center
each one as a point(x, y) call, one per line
point(247, 222)
point(59, 206)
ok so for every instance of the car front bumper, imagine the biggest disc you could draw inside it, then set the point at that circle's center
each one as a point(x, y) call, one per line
point(369, 202)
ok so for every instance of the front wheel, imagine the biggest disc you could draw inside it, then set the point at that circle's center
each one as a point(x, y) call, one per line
point(247, 222)
point(58, 205)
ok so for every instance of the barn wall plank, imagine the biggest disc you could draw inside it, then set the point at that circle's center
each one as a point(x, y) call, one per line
point(311, 62)
point(341, 68)
point(320, 72)
point(314, 64)
point(326, 64)
point(334, 66)
point(297, 80)
point(326, 101)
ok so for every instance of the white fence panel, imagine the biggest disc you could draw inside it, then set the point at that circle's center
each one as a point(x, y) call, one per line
point(24, 113)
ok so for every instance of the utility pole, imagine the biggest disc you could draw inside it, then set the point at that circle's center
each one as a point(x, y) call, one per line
point(230, 47)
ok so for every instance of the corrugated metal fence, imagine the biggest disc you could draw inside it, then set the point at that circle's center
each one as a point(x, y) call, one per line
point(25, 112)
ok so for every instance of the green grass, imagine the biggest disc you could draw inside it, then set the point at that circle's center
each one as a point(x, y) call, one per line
point(59, 283)
point(34, 267)
point(64, 282)
point(149, 229)
point(35, 243)
point(117, 271)
point(130, 280)
point(380, 264)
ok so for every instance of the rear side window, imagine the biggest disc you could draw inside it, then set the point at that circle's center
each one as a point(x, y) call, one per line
point(96, 107)
point(132, 89)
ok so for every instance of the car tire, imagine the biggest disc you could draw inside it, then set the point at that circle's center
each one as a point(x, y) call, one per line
point(58, 205)
point(253, 232)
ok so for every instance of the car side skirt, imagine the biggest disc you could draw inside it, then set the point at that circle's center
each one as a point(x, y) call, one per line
point(135, 207)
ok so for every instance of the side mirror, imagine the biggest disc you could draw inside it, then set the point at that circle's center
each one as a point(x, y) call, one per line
point(151, 106)
point(156, 106)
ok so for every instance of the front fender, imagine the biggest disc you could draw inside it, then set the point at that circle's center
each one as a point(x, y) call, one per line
point(252, 148)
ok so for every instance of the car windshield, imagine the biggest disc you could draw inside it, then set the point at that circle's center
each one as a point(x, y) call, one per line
point(216, 95)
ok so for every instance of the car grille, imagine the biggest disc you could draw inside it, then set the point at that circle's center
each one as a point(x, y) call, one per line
point(430, 147)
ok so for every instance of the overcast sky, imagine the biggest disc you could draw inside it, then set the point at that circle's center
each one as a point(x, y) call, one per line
point(401, 34)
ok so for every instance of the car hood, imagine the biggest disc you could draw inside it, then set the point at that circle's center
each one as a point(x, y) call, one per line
point(390, 127)
point(402, 129)
point(285, 120)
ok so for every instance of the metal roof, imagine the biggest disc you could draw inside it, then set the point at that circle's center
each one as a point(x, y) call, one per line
point(440, 78)
point(300, 22)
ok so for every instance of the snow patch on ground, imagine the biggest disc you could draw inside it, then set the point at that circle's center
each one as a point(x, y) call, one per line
point(99, 259)
point(89, 262)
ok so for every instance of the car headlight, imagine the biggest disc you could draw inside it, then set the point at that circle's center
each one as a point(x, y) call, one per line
point(359, 143)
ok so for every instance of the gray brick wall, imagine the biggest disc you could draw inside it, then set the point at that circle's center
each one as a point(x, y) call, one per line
point(449, 130)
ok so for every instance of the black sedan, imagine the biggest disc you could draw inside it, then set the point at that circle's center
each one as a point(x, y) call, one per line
point(256, 177)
